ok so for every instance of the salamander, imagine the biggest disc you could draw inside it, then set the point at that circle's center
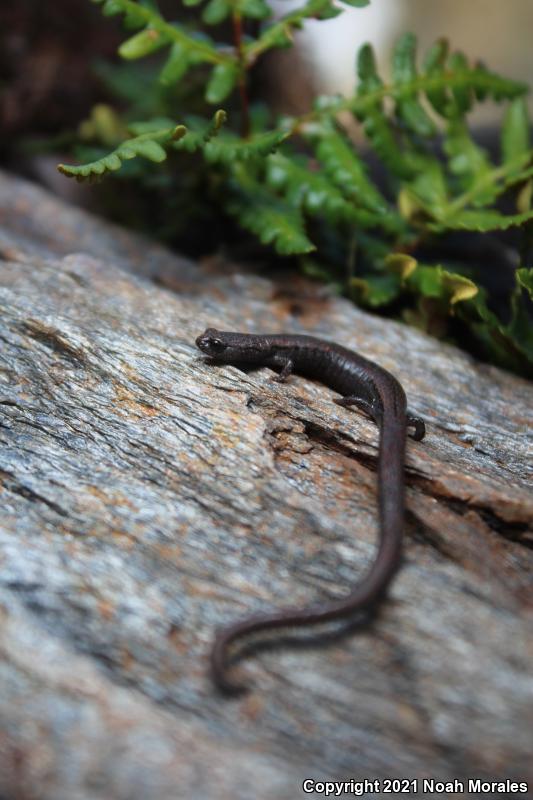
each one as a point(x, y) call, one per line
point(362, 384)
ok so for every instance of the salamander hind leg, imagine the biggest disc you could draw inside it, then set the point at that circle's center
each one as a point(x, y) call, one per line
point(419, 427)
point(369, 408)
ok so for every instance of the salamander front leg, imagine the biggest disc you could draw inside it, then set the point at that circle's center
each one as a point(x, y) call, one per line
point(369, 408)
point(419, 427)
point(286, 369)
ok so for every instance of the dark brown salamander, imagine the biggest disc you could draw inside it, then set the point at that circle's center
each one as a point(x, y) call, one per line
point(372, 389)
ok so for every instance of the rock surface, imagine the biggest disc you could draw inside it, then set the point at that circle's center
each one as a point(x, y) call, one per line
point(147, 497)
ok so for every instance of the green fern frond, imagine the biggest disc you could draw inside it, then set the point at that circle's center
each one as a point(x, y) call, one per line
point(431, 195)
point(147, 145)
point(274, 223)
point(346, 170)
point(230, 149)
point(454, 77)
point(483, 221)
point(225, 147)
point(375, 121)
point(404, 72)
point(273, 220)
point(157, 32)
point(310, 191)
point(468, 161)
point(199, 133)
point(185, 49)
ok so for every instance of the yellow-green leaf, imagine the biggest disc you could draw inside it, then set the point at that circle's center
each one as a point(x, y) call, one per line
point(408, 205)
point(458, 287)
point(401, 264)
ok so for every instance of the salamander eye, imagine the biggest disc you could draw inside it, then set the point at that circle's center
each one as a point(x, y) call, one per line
point(216, 344)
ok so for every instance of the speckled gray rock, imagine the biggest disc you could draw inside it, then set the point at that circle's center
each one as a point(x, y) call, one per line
point(147, 497)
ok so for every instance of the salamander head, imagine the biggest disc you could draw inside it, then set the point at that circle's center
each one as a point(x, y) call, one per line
point(211, 343)
point(232, 348)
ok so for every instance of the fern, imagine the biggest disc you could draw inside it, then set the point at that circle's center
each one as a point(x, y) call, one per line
point(270, 219)
point(148, 145)
point(322, 197)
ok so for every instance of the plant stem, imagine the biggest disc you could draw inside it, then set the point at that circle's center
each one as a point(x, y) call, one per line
point(243, 92)
point(358, 104)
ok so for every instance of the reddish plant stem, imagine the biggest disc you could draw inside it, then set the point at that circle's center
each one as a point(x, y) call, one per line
point(243, 92)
